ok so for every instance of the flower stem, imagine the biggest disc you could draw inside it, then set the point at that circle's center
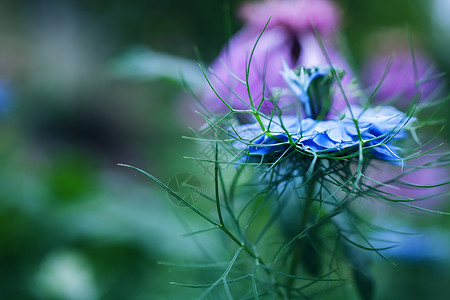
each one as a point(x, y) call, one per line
point(298, 248)
point(221, 225)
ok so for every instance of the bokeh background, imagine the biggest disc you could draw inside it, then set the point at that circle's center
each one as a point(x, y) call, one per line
point(73, 224)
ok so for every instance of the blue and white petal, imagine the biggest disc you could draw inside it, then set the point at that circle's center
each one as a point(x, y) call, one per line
point(376, 127)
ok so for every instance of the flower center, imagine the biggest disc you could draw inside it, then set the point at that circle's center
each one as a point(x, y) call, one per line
point(314, 87)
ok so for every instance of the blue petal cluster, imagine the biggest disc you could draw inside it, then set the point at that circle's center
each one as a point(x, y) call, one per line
point(377, 128)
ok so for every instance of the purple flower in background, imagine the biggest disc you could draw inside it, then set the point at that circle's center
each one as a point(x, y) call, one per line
point(298, 16)
point(399, 83)
point(424, 184)
point(399, 87)
point(288, 37)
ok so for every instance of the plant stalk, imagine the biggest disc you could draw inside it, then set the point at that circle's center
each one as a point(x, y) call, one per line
point(298, 248)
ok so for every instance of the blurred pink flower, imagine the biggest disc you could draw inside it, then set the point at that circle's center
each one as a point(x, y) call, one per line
point(298, 16)
point(399, 84)
point(424, 184)
point(399, 87)
point(289, 36)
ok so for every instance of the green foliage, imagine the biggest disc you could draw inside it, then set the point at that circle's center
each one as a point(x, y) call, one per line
point(65, 206)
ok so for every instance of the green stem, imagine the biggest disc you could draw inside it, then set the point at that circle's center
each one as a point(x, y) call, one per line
point(221, 224)
point(258, 118)
point(298, 248)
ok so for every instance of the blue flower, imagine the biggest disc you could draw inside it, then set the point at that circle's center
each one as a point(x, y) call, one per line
point(375, 129)
point(5, 98)
point(371, 130)
point(432, 245)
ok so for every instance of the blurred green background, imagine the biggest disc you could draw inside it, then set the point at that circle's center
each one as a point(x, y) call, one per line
point(73, 224)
